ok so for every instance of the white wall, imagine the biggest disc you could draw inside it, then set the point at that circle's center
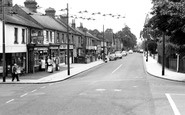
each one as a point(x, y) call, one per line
point(10, 47)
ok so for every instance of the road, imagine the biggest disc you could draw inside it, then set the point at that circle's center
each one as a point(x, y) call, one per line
point(120, 87)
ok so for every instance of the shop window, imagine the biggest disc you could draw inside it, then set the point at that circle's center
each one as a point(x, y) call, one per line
point(23, 36)
point(15, 35)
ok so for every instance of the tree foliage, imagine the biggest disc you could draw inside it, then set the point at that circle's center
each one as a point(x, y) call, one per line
point(128, 39)
point(169, 18)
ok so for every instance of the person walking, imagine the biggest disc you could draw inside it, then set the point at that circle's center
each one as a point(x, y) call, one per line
point(14, 72)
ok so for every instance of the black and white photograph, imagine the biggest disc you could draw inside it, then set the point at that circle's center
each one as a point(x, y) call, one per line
point(92, 57)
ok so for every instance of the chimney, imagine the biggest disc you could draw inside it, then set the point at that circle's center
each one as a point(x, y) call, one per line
point(63, 18)
point(73, 23)
point(31, 5)
point(50, 12)
point(8, 8)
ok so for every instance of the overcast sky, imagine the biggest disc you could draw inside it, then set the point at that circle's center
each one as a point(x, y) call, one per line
point(134, 11)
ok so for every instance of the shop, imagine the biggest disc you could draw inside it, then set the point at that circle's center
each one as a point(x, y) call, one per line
point(36, 53)
point(63, 53)
point(12, 58)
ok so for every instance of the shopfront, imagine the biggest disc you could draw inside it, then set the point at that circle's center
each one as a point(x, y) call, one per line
point(63, 53)
point(12, 58)
point(36, 53)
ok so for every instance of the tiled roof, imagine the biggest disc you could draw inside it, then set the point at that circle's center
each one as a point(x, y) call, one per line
point(48, 22)
point(17, 19)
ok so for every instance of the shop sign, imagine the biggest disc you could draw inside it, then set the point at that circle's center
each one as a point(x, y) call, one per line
point(65, 46)
point(40, 48)
point(53, 48)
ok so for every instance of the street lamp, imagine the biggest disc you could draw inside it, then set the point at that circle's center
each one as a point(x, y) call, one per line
point(68, 62)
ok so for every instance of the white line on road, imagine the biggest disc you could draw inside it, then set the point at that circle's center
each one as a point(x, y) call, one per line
point(24, 95)
point(51, 84)
point(172, 103)
point(34, 90)
point(117, 68)
point(10, 101)
point(43, 87)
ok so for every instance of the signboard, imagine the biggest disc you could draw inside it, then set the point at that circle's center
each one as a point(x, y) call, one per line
point(40, 48)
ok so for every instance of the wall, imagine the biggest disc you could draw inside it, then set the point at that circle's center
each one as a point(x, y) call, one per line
point(9, 39)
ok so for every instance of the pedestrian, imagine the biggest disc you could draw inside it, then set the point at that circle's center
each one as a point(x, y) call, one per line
point(43, 64)
point(57, 64)
point(14, 72)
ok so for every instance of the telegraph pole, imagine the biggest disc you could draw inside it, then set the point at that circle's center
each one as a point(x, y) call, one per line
point(4, 55)
point(163, 60)
point(68, 62)
point(103, 44)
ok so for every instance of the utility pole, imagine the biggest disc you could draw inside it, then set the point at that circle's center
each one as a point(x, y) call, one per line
point(4, 55)
point(163, 60)
point(103, 44)
point(68, 62)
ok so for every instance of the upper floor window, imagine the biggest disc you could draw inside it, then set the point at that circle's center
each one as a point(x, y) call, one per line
point(62, 38)
point(47, 36)
point(58, 37)
point(72, 41)
point(51, 36)
point(23, 36)
point(16, 35)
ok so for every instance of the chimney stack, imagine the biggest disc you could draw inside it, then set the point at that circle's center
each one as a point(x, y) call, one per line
point(50, 12)
point(31, 5)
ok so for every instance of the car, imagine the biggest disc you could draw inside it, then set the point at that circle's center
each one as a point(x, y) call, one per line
point(118, 54)
point(124, 53)
point(130, 51)
point(112, 57)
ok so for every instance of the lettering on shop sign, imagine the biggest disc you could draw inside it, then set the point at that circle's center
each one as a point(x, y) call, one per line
point(40, 48)
point(53, 48)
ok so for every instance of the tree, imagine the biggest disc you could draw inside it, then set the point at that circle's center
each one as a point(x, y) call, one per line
point(169, 18)
point(127, 38)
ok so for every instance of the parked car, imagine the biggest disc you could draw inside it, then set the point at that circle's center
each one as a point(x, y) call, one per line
point(118, 54)
point(112, 57)
point(130, 51)
point(124, 53)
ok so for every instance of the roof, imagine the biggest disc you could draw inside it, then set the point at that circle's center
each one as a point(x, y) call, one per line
point(19, 20)
point(48, 22)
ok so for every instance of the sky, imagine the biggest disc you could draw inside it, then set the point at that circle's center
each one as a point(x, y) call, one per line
point(134, 12)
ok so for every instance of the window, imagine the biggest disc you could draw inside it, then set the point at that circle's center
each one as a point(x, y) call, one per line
point(15, 35)
point(62, 38)
point(23, 36)
point(51, 36)
point(47, 36)
point(58, 35)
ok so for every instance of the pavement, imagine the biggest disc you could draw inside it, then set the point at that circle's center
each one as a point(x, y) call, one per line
point(152, 67)
point(56, 76)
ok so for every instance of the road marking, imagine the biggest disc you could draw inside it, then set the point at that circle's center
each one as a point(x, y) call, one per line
point(172, 103)
point(117, 90)
point(34, 90)
point(134, 86)
point(51, 84)
point(24, 95)
point(116, 69)
point(10, 101)
point(100, 89)
point(43, 87)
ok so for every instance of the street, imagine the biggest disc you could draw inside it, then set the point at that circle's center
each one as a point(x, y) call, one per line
point(120, 87)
